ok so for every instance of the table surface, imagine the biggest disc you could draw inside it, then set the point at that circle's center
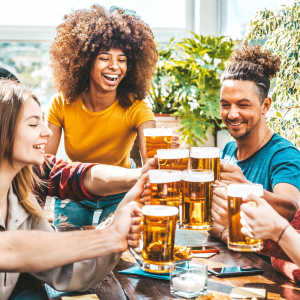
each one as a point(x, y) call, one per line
point(119, 286)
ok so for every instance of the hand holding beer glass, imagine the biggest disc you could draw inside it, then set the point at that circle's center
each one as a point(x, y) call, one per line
point(206, 158)
point(159, 224)
point(159, 138)
point(197, 197)
point(236, 193)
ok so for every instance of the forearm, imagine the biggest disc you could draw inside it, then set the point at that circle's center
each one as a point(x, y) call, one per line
point(284, 205)
point(290, 243)
point(106, 180)
point(36, 251)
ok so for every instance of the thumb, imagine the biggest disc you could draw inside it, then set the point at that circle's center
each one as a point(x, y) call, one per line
point(254, 200)
point(142, 181)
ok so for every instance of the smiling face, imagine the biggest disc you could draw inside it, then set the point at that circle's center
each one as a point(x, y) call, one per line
point(31, 135)
point(108, 70)
point(241, 109)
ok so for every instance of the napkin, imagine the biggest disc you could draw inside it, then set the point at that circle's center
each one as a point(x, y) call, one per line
point(82, 297)
point(247, 292)
point(136, 270)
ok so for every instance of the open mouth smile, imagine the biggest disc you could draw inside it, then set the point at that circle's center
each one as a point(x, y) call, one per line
point(110, 77)
point(40, 147)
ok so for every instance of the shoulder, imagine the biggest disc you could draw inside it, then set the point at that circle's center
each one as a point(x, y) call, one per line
point(59, 99)
point(280, 146)
point(139, 105)
point(140, 111)
point(230, 147)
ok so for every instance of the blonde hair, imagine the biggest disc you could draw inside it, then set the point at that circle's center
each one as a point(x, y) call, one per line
point(12, 97)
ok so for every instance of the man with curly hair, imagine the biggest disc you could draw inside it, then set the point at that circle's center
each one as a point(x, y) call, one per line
point(257, 155)
point(103, 63)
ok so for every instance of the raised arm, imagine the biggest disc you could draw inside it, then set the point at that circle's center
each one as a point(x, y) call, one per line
point(140, 134)
point(36, 251)
point(273, 227)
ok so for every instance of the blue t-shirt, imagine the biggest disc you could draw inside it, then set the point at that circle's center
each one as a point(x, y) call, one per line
point(276, 162)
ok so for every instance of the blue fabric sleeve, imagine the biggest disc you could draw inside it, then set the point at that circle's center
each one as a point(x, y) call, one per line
point(285, 167)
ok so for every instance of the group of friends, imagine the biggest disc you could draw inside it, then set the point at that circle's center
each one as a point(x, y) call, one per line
point(103, 63)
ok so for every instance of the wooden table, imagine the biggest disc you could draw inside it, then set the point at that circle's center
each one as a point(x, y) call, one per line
point(134, 287)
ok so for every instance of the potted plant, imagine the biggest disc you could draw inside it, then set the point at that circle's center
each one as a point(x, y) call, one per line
point(187, 84)
point(280, 32)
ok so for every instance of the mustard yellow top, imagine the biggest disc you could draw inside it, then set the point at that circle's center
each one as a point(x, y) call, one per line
point(105, 136)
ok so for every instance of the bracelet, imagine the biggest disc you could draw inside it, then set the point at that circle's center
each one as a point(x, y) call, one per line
point(282, 232)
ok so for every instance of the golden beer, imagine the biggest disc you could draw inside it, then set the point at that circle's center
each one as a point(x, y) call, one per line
point(158, 138)
point(159, 223)
point(206, 158)
point(175, 159)
point(235, 195)
point(165, 187)
point(197, 197)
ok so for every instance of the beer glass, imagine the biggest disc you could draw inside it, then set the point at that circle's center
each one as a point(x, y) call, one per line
point(159, 223)
point(175, 159)
point(235, 195)
point(165, 187)
point(206, 158)
point(158, 138)
point(197, 197)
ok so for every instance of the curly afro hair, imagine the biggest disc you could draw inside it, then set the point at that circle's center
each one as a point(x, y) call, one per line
point(254, 64)
point(84, 33)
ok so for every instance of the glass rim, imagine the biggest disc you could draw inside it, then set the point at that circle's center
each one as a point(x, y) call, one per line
point(164, 176)
point(243, 190)
point(158, 131)
point(173, 153)
point(205, 152)
point(157, 210)
point(194, 175)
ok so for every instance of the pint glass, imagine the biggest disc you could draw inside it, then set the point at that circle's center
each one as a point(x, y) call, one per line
point(165, 187)
point(159, 223)
point(175, 159)
point(235, 195)
point(197, 197)
point(206, 158)
point(158, 138)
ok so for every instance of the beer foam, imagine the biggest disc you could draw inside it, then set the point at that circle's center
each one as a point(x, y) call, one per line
point(198, 176)
point(164, 176)
point(243, 190)
point(159, 210)
point(158, 132)
point(205, 152)
point(172, 153)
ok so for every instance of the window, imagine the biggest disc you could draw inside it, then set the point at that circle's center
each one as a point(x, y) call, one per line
point(28, 27)
point(236, 14)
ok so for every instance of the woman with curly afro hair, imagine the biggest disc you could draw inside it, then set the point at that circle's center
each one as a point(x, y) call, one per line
point(103, 63)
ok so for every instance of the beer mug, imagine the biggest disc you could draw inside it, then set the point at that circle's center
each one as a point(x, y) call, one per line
point(197, 197)
point(175, 159)
point(206, 158)
point(159, 138)
point(159, 224)
point(165, 187)
point(235, 195)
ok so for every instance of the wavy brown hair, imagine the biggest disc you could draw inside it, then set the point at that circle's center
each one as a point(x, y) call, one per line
point(254, 64)
point(84, 33)
point(12, 97)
